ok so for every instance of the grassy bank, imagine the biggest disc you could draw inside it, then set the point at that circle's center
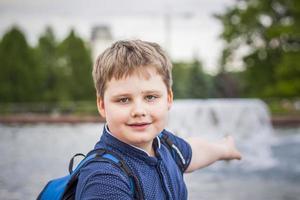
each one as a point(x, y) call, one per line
point(277, 107)
point(284, 107)
point(42, 108)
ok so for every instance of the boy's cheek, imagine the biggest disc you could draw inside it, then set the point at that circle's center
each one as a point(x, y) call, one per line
point(160, 113)
point(118, 114)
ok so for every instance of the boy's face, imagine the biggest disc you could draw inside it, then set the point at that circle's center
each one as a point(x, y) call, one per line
point(136, 108)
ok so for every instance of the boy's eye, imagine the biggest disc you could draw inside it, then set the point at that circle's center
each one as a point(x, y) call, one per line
point(124, 100)
point(150, 97)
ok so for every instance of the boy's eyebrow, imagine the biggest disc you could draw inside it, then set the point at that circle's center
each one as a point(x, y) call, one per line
point(129, 94)
point(121, 95)
point(151, 91)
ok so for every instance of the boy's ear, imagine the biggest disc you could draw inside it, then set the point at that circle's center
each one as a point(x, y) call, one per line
point(170, 99)
point(100, 106)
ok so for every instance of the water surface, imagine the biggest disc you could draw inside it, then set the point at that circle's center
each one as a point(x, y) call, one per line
point(33, 154)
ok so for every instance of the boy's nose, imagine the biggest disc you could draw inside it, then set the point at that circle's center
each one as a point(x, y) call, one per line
point(138, 110)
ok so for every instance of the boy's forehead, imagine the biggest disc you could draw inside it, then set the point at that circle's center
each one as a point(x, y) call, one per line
point(143, 71)
point(136, 82)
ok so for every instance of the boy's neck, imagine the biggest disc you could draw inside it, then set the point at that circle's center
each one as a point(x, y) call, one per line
point(148, 148)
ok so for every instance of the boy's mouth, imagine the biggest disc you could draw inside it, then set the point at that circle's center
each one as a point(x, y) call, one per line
point(139, 125)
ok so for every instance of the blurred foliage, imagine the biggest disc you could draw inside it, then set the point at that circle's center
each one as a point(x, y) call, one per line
point(190, 81)
point(267, 35)
point(60, 71)
point(228, 84)
point(75, 61)
point(53, 108)
point(50, 72)
point(180, 80)
point(46, 52)
point(55, 76)
point(20, 76)
point(281, 107)
point(198, 85)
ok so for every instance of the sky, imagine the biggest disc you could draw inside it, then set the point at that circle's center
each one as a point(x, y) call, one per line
point(185, 28)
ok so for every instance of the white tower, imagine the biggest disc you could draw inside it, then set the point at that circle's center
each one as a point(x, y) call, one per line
point(101, 39)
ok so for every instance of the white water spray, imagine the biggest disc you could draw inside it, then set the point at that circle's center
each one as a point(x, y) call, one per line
point(248, 120)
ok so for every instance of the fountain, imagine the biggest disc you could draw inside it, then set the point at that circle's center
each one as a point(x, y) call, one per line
point(247, 120)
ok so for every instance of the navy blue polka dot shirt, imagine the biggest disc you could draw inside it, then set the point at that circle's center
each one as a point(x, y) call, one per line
point(159, 176)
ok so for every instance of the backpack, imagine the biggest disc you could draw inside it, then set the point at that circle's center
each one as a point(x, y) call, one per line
point(64, 188)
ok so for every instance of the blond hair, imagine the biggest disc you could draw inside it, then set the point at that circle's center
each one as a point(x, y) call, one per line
point(125, 57)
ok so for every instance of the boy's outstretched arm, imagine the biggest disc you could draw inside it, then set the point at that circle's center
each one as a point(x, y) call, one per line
point(205, 153)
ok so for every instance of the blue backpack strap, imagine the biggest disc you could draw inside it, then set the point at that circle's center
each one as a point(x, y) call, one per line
point(117, 160)
point(71, 163)
point(70, 189)
point(64, 188)
point(174, 150)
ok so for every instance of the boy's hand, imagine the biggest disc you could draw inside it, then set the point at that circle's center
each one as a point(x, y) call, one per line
point(230, 151)
point(205, 153)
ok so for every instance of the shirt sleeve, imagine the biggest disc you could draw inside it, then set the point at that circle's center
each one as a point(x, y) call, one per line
point(103, 181)
point(183, 146)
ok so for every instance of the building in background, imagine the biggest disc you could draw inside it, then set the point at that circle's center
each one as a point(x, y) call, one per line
point(101, 39)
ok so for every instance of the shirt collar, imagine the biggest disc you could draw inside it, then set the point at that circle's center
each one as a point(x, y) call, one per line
point(138, 148)
point(108, 139)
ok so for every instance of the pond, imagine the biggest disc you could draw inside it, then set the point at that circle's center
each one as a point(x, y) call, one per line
point(33, 154)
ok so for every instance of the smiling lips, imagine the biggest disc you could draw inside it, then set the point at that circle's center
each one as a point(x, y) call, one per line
point(139, 126)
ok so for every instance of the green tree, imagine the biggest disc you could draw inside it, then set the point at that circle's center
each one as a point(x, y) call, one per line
point(190, 81)
point(198, 82)
point(75, 61)
point(46, 52)
point(288, 75)
point(20, 76)
point(227, 85)
point(180, 80)
point(269, 34)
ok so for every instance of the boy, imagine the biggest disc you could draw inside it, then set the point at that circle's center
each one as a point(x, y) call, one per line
point(133, 84)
